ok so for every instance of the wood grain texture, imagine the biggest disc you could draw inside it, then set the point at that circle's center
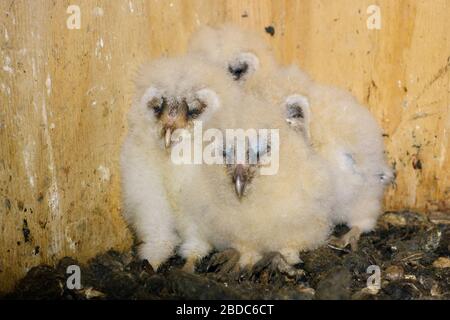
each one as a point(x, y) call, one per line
point(64, 96)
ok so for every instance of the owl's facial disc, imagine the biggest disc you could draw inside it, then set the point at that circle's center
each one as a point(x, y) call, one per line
point(173, 113)
point(242, 173)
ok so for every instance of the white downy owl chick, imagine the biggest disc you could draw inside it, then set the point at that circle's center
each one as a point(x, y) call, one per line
point(240, 53)
point(349, 138)
point(340, 129)
point(170, 94)
point(235, 206)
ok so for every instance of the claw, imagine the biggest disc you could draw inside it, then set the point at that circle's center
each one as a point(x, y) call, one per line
point(224, 263)
point(246, 273)
point(350, 238)
point(189, 266)
point(275, 263)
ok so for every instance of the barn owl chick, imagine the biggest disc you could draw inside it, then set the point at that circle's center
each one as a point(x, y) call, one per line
point(242, 54)
point(276, 198)
point(349, 138)
point(246, 58)
point(340, 130)
point(171, 93)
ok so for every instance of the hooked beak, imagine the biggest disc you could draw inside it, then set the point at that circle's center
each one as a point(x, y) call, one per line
point(167, 137)
point(239, 180)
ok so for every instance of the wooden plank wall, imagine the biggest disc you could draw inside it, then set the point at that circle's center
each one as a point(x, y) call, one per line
point(64, 94)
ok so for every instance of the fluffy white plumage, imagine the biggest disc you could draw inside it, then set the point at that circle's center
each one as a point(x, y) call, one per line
point(146, 166)
point(287, 212)
point(331, 167)
point(195, 206)
point(341, 130)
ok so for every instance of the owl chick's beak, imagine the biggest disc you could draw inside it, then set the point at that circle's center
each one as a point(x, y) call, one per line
point(174, 119)
point(167, 137)
point(240, 180)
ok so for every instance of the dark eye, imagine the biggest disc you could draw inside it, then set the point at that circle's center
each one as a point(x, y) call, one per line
point(157, 105)
point(264, 151)
point(195, 109)
point(238, 70)
point(295, 112)
point(194, 113)
point(228, 154)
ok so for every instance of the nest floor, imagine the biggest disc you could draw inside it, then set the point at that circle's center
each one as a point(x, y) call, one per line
point(411, 250)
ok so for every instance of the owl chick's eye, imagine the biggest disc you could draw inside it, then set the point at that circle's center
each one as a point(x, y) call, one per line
point(195, 108)
point(238, 70)
point(298, 114)
point(243, 65)
point(263, 150)
point(228, 155)
point(295, 112)
point(259, 152)
point(156, 104)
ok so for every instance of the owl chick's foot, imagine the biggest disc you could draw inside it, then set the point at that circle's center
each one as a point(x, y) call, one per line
point(274, 263)
point(350, 238)
point(225, 263)
point(190, 264)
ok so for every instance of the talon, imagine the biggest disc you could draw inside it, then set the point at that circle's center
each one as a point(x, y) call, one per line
point(224, 263)
point(189, 266)
point(350, 238)
point(245, 273)
point(275, 263)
